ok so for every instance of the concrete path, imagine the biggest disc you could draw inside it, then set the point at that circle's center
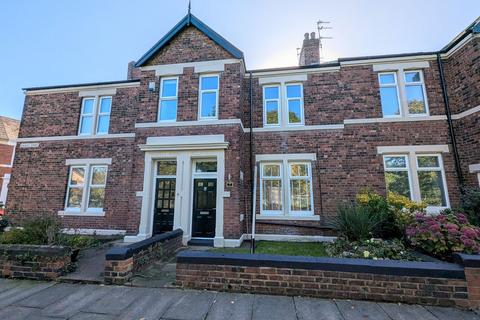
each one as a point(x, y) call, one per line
point(43, 301)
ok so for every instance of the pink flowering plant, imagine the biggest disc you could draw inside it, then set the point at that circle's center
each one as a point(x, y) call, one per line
point(444, 234)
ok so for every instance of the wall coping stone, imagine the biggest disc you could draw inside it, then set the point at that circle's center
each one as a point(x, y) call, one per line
point(468, 260)
point(385, 267)
point(125, 252)
point(38, 250)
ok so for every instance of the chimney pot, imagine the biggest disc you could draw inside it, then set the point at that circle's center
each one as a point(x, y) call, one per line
point(306, 36)
point(312, 35)
point(310, 52)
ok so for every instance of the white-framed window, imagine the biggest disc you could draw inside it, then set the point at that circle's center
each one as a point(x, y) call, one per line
point(286, 188)
point(271, 105)
point(168, 100)
point(86, 188)
point(389, 96)
point(271, 187)
point(283, 105)
point(420, 177)
point(415, 92)
point(402, 93)
point(208, 97)
point(300, 187)
point(431, 180)
point(397, 175)
point(294, 100)
point(95, 115)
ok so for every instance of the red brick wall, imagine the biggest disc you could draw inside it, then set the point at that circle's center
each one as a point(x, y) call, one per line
point(324, 284)
point(189, 45)
point(462, 73)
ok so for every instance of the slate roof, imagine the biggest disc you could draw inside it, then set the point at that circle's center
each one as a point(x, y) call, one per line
point(188, 20)
point(8, 128)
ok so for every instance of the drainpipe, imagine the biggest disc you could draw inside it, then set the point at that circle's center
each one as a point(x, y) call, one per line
point(451, 130)
point(252, 175)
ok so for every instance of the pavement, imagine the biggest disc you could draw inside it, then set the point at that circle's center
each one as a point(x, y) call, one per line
point(32, 300)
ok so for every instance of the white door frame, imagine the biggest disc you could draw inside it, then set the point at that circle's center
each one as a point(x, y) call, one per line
point(3, 193)
point(183, 195)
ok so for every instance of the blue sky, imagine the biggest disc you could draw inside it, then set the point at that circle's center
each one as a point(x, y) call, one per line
point(50, 42)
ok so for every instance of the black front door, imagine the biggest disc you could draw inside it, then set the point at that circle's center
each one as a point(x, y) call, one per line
point(204, 208)
point(164, 205)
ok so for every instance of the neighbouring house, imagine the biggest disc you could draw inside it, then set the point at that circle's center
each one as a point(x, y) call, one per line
point(175, 145)
point(8, 136)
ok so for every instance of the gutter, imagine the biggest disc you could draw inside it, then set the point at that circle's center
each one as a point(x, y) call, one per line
point(451, 130)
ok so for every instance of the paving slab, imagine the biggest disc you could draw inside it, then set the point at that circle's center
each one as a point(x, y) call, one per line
point(364, 310)
point(152, 305)
point(25, 289)
point(92, 316)
point(231, 306)
point(48, 296)
point(398, 311)
point(192, 305)
point(16, 313)
point(452, 314)
point(317, 309)
point(118, 299)
point(6, 284)
point(273, 307)
point(72, 303)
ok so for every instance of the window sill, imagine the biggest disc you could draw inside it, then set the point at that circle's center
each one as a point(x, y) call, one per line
point(81, 213)
point(302, 218)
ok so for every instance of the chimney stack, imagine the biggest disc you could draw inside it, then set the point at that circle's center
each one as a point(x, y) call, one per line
point(310, 53)
point(133, 73)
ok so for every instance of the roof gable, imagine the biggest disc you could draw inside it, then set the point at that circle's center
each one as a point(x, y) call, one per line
point(8, 128)
point(190, 20)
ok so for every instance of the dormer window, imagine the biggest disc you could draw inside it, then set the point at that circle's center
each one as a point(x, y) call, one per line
point(208, 97)
point(95, 115)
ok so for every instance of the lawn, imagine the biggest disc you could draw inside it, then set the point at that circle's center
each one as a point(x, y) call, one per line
point(312, 249)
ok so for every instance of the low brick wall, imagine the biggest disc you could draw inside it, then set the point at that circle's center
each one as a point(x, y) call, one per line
point(122, 262)
point(34, 262)
point(442, 284)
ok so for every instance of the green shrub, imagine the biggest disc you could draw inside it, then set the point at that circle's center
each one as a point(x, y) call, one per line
point(471, 204)
point(355, 222)
point(394, 212)
point(376, 249)
point(41, 229)
point(79, 241)
point(15, 236)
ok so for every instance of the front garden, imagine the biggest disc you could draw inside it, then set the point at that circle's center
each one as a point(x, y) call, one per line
point(390, 228)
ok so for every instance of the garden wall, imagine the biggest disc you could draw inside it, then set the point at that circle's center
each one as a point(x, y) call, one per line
point(442, 284)
point(122, 262)
point(33, 261)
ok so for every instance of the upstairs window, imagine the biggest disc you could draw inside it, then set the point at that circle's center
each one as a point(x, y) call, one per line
point(389, 94)
point(403, 93)
point(208, 97)
point(294, 103)
point(95, 115)
point(414, 90)
point(86, 188)
point(283, 105)
point(168, 99)
point(271, 105)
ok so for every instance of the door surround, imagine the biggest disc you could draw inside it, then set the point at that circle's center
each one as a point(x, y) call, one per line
point(184, 185)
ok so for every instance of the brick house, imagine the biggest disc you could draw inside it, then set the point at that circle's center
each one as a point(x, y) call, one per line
point(174, 145)
point(8, 136)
